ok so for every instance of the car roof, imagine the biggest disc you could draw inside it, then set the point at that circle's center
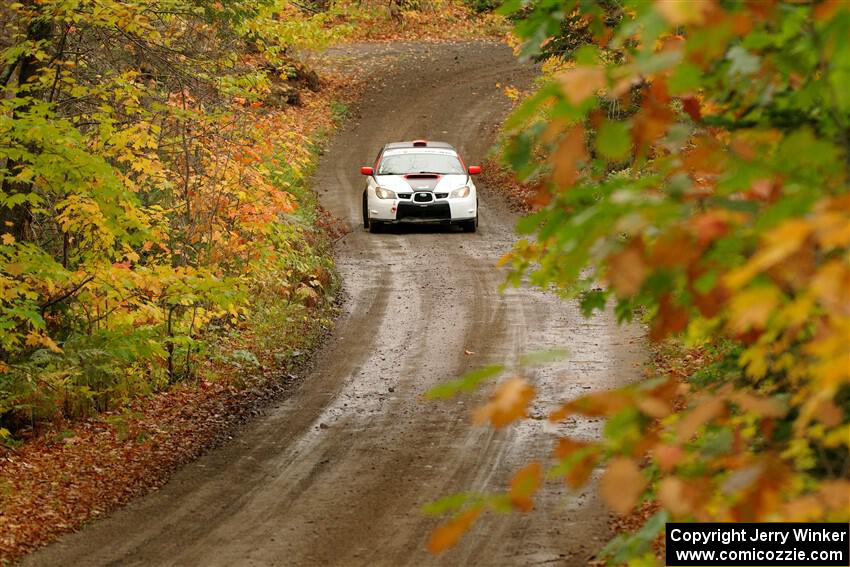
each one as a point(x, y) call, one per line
point(418, 144)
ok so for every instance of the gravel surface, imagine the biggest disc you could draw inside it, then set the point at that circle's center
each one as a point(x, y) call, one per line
point(338, 472)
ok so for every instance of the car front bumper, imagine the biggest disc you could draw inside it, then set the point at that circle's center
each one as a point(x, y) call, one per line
point(405, 210)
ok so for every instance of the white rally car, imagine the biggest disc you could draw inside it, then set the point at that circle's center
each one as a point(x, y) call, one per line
point(420, 182)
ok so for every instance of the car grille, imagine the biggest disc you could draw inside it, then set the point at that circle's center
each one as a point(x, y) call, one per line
point(431, 211)
point(423, 197)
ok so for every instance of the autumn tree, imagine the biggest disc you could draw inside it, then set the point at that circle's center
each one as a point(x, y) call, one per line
point(147, 163)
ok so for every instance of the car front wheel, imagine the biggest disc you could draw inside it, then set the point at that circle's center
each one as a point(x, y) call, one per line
point(365, 211)
point(471, 225)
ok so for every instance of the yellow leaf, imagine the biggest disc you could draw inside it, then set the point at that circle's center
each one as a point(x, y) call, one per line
point(751, 308)
point(15, 269)
point(754, 359)
point(508, 403)
point(48, 342)
point(831, 230)
point(831, 285)
point(622, 484)
point(776, 245)
point(448, 534)
point(35, 338)
point(8, 239)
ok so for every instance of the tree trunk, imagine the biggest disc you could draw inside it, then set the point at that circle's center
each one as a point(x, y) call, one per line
point(16, 220)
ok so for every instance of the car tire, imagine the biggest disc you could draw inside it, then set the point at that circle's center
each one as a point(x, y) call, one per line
point(374, 227)
point(470, 225)
point(365, 211)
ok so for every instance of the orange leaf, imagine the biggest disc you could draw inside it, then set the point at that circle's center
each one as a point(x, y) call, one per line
point(668, 456)
point(826, 9)
point(581, 82)
point(670, 319)
point(566, 157)
point(829, 414)
point(622, 484)
point(683, 12)
point(654, 117)
point(448, 534)
point(835, 493)
point(653, 407)
point(627, 269)
point(804, 509)
point(567, 447)
point(525, 484)
point(691, 106)
point(581, 470)
point(600, 404)
point(762, 407)
point(671, 495)
point(508, 403)
point(673, 248)
point(698, 417)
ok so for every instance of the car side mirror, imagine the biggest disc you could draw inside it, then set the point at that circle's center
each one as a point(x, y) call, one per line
point(474, 169)
point(367, 170)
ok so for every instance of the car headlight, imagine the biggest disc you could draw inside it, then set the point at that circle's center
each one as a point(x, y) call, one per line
point(383, 193)
point(460, 193)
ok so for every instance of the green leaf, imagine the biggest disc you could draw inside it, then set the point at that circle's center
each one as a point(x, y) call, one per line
point(451, 502)
point(613, 140)
point(686, 78)
point(465, 383)
point(543, 357)
point(626, 546)
point(593, 300)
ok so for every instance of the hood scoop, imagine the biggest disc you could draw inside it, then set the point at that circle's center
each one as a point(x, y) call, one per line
point(422, 181)
point(421, 176)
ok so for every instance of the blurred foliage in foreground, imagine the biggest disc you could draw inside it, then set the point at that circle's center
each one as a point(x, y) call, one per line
point(694, 157)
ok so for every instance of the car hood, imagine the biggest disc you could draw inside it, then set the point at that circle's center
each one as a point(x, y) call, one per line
point(422, 182)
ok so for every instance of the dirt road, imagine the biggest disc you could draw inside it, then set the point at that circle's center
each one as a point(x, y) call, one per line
point(337, 473)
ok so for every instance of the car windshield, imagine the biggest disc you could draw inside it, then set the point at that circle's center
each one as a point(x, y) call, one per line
point(401, 164)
